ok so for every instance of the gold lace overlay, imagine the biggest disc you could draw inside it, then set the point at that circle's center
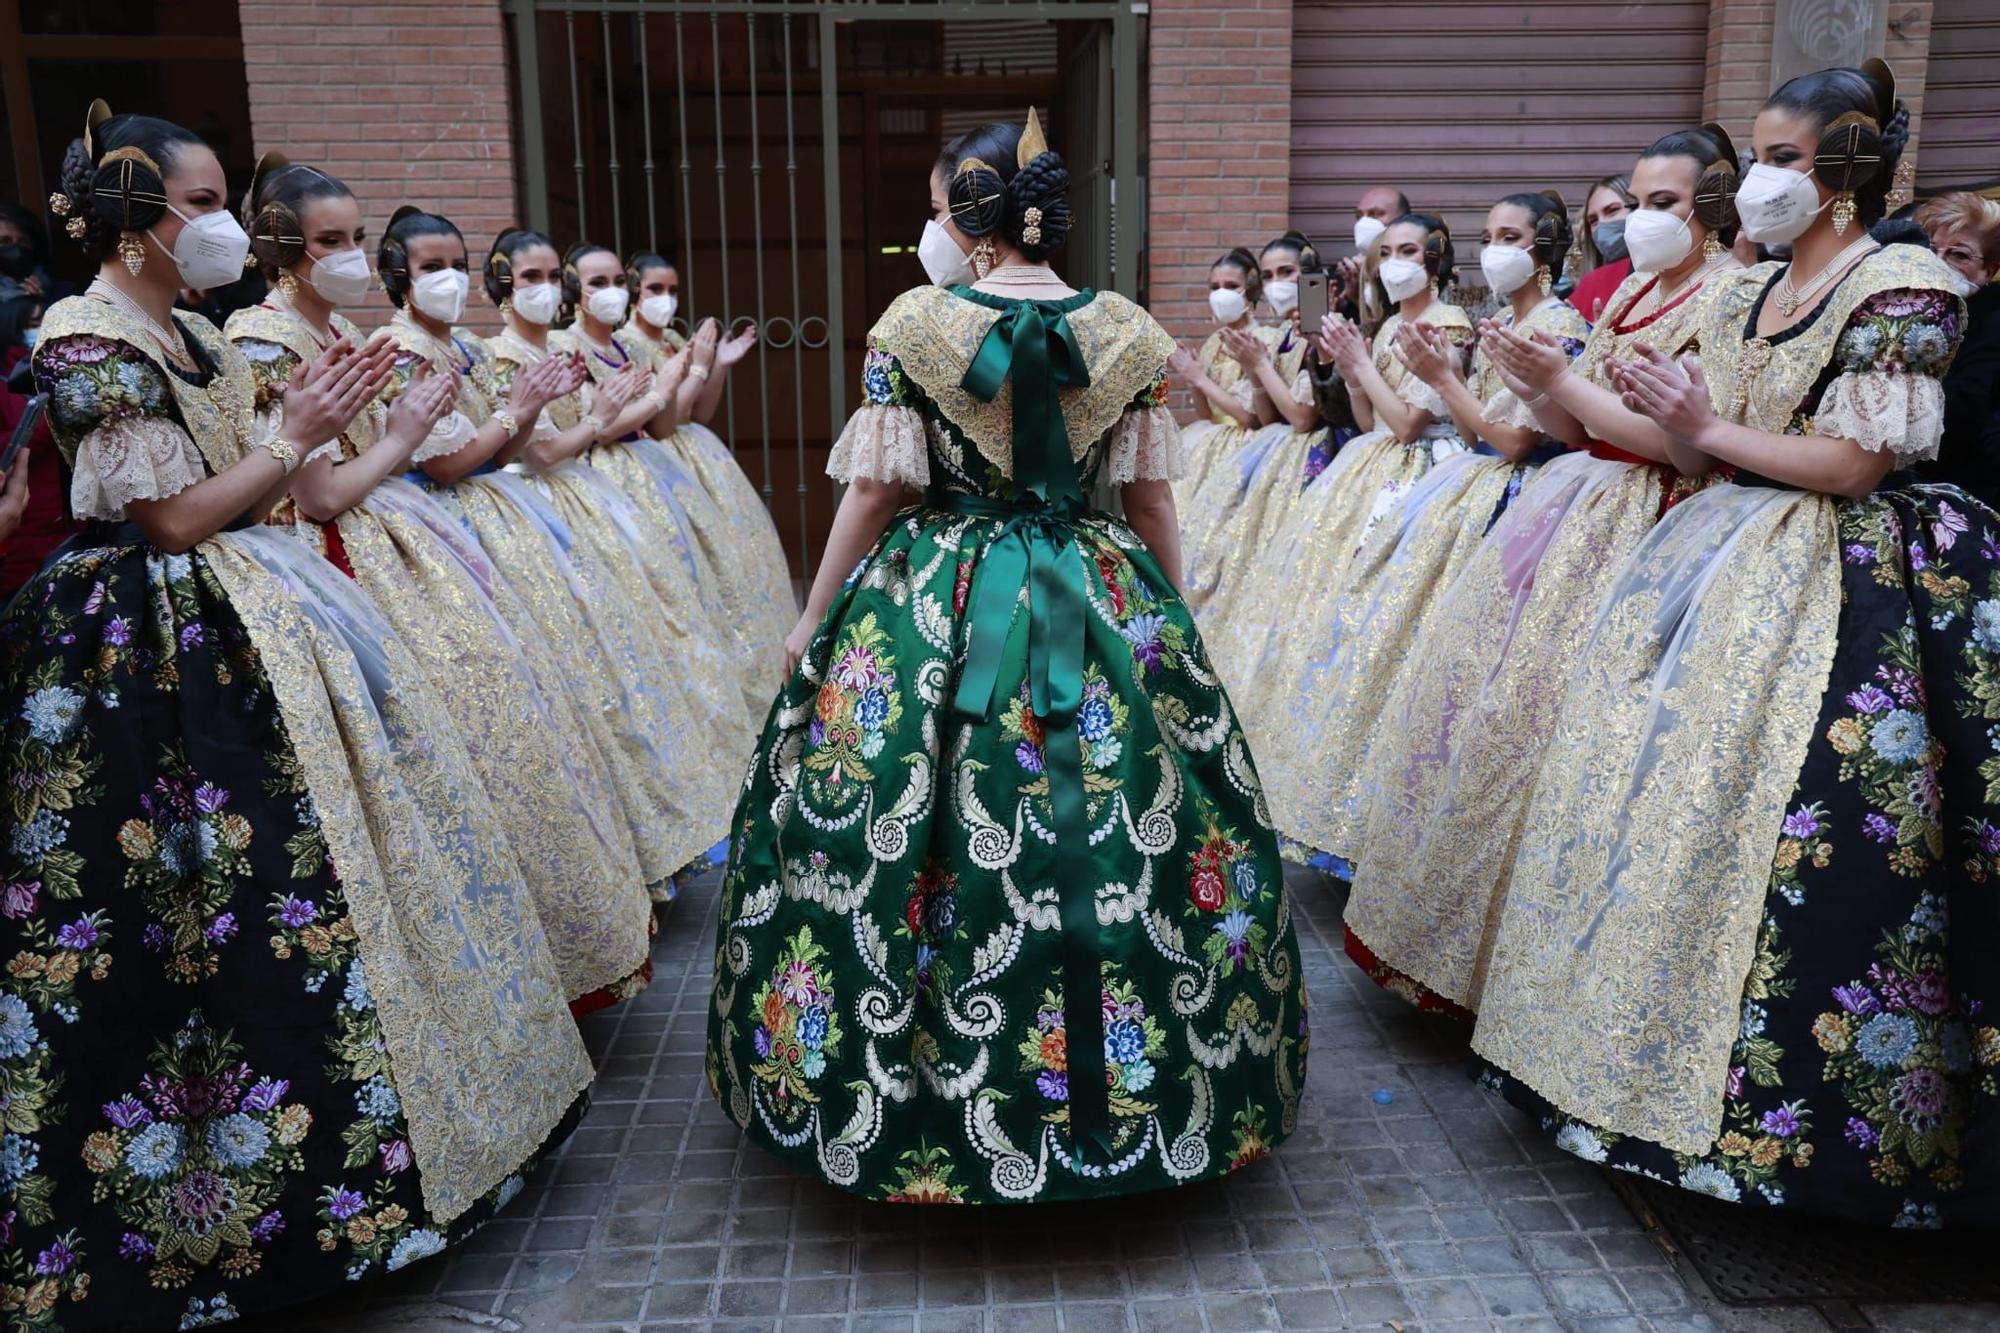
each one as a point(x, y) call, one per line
point(283, 328)
point(481, 1047)
point(1442, 794)
point(509, 701)
point(1633, 316)
point(935, 336)
point(1210, 443)
point(1631, 917)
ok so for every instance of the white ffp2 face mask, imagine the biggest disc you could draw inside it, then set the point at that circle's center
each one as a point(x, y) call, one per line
point(537, 304)
point(343, 277)
point(944, 263)
point(607, 305)
point(441, 295)
point(659, 311)
point(1777, 203)
point(1227, 305)
point(210, 250)
point(1508, 268)
point(1657, 240)
point(1403, 278)
point(1367, 231)
point(1283, 296)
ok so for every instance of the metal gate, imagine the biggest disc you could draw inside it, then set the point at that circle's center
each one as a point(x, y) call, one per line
point(775, 151)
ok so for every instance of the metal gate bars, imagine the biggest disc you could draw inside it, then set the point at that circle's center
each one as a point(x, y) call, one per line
point(745, 88)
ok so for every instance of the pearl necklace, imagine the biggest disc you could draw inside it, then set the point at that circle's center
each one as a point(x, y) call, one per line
point(1791, 297)
point(173, 342)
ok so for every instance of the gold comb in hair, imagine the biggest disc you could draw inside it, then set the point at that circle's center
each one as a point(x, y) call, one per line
point(1033, 142)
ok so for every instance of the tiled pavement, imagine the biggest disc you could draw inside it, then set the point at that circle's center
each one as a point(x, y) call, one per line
point(1407, 1200)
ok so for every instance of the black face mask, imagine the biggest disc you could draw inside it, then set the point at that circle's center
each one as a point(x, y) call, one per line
point(16, 261)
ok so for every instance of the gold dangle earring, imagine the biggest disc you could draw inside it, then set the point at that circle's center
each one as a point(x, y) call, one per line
point(982, 257)
point(287, 284)
point(1843, 212)
point(1543, 279)
point(1711, 249)
point(132, 252)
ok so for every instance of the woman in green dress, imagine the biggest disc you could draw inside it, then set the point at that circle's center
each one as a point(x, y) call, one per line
point(1004, 918)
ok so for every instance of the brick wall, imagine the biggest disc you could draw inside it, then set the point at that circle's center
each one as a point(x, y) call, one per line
point(406, 103)
point(1220, 144)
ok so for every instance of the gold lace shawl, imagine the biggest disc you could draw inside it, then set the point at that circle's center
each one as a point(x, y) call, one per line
point(935, 336)
point(479, 392)
point(1762, 383)
point(219, 417)
point(561, 413)
point(1456, 324)
point(282, 328)
point(1673, 331)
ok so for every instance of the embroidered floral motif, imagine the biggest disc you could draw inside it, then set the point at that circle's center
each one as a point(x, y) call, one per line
point(930, 917)
point(858, 709)
point(799, 1026)
point(1133, 1042)
point(187, 852)
point(923, 1175)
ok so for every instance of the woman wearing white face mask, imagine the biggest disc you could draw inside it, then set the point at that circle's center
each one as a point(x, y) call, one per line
point(596, 286)
point(1495, 648)
point(1761, 835)
point(659, 656)
point(1335, 716)
point(1405, 428)
point(430, 582)
point(1244, 506)
point(721, 503)
point(234, 765)
point(1216, 376)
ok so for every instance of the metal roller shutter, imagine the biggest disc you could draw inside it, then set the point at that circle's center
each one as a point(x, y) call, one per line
point(1958, 139)
point(1460, 103)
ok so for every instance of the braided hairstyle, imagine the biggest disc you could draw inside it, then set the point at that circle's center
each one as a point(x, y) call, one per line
point(1716, 175)
point(392, 258)
point(274, 212)
point(497, 274)
point(116, 182)
point(572, 281)
point(1864, 128)
point(1245, 263)
point(1026, 206)
point(1548, 217)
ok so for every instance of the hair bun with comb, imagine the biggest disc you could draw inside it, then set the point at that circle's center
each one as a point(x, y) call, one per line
point(1038, 216)
point(1715, 189)
point(978, 198)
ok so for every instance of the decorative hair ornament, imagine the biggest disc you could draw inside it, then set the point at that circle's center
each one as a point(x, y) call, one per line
point(100, 111)
point(1033, 142)
point(977, 197)
point(1715, 188)
point(277, 237)
point(1031, 227)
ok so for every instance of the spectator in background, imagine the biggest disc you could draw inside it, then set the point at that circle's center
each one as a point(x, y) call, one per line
point(33, 517)
point(24, 273)
point(1964, 231)
point(1601, 261)
point(1349, 293)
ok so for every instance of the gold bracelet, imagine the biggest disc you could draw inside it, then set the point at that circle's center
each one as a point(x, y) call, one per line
point(698, 372)
point(508, 422)
point(596, 425)
point(284, 451)
point(653, 396)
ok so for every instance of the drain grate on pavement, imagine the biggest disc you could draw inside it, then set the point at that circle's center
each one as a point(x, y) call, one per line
point(1763, 1256)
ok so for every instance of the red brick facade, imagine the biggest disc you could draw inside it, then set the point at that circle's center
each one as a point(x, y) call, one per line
point(1220, 150)
point(406, 103)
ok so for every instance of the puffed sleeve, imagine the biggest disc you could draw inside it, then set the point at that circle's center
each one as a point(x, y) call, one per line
point(452, 433)
point(884, 440)
point(1889, 392)
point(1146, 443)
point(1422, 396)
point(112, 410)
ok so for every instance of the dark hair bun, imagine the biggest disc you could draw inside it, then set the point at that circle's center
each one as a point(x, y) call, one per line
point(126, 192)
point(978, 199)
point(1038, 216)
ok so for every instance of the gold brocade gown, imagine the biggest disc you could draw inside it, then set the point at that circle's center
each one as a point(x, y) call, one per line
point(1404, 570)
point(733, 526)
point(493, 674)
point(1469, 729)
point(655, 480)
point(1211, 445)
point(1287, 614)
point(677, 682)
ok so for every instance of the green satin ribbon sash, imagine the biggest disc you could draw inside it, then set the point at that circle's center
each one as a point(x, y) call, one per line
point(1036, 549)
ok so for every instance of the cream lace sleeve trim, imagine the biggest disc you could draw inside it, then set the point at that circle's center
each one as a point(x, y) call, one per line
point(1505, 408)
point(882, 443)
point(1421, 395)
point(1880, 409)
point(447, 437)
point(132, 458)
point(1244, 391)
point(1302, 387)
point(1145, 446)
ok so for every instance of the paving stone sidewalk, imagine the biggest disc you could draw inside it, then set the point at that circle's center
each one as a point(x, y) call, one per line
point(1408, 1199)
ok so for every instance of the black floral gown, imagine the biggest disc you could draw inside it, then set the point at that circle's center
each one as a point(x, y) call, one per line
point(992, 861)
point(1805, 693)
point(208, 995)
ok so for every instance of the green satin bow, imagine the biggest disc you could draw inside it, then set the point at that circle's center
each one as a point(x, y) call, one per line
point(1036, 548)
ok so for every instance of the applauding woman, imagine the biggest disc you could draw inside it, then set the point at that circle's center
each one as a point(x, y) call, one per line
point(285, 974)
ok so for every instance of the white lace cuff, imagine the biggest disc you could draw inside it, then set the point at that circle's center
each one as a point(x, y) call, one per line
point(1244, 391)
point(1880, 409)
point(1302, 387)
point(1505, 408)
point(447, 437)
point(1145, 446)
point(1421, 395)
point(132, 458)
point(882, 443)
